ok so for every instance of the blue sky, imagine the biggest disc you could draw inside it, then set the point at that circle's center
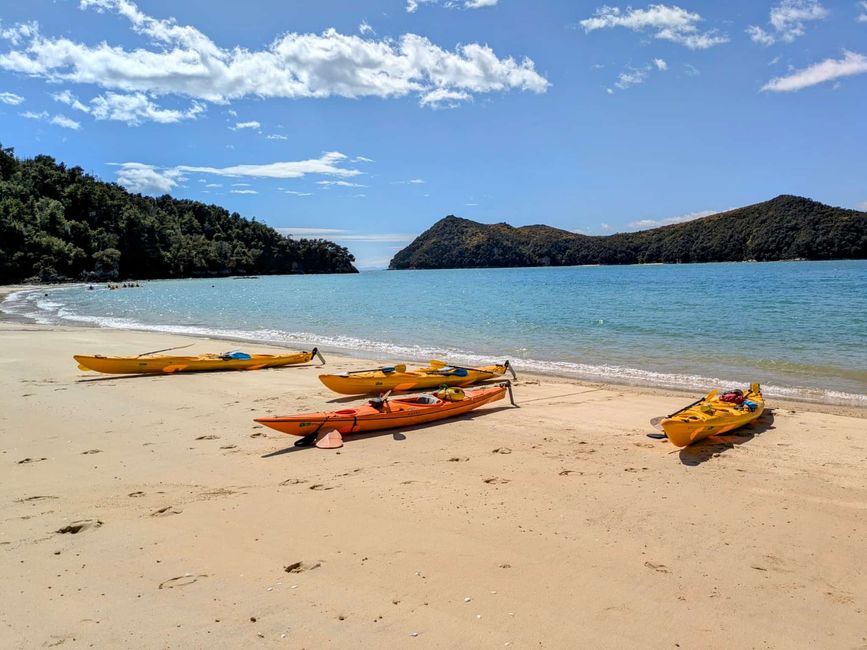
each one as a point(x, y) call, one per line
point(365, 122)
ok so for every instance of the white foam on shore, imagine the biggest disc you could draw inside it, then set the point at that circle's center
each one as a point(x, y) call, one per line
point(33, 304)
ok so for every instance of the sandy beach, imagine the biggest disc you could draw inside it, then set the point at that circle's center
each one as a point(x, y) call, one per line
point(153, 512)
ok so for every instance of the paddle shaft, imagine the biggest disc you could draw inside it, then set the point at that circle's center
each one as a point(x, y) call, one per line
point(436, 364)
point(180, 347)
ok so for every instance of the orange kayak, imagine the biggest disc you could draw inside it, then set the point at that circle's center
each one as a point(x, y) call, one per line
point(326, 428)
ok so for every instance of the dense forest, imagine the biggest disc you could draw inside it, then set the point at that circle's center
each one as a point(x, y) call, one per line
point(787, 227)
point(58, 223)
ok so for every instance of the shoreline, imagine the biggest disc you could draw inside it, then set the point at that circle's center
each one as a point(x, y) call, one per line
point(152, 511)
point(366, 357)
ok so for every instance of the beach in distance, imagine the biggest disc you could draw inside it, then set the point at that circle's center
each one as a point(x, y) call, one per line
point(153, 512)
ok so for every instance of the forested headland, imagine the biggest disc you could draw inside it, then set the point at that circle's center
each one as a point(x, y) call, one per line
point(58, 223)
point(784, 228)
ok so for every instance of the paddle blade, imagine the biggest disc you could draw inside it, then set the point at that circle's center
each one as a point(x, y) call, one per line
point(329, 440)
point(509, 367)
point(711, 395)
point(655, 422)
point(401, 367)
point(437, 364)
point(317, 353)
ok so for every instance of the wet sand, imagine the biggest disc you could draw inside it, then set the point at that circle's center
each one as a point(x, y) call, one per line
point(153, 512)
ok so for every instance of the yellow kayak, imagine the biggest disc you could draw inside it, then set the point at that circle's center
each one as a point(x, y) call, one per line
point(713, 415)
point(398, 378)
point(200, 363)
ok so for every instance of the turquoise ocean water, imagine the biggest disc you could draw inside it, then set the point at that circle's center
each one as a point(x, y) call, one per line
point(800, 328)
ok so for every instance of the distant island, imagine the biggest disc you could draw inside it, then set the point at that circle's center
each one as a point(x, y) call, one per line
point(58, 223)
point(784, 228)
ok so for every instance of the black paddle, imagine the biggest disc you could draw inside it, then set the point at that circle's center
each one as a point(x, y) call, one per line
point(437, 364)
point(180, 347)
point(655, 421)
point(508, 385)
point(315, 353)
point(388, 370)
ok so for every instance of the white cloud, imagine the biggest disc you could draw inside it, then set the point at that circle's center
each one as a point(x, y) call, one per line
point(656, 223)
point(863, 205)
point(339, 184)
point(365, 29)
point(851, 64)
point(243, 192)
point(294, 193)
point(667, 22)
point(415, 181)
point(328, 164)
point(444, 98)
point(635, 76)
point(276, 136)
point(11, 98)
point(66, 97)
point(183, 61)
point(359, 196)
point(240, 184)
point(212, 184)
point(362, 159)
point(136, 108)
point(787, 21)
point(631, 77)
point(65, 122)
point(691, 70)
point(862, 18)
point(147, 179)
point(309, 232)
point(412, 5)
point(18, 33)
point(387, 237)
point(336, 234)
point(56, 120)
point(252, 124)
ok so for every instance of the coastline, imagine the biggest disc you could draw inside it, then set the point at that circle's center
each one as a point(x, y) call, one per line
point(516, 510)
point(369, 358)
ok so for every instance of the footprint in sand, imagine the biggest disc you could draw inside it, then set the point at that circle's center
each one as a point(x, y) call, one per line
point(229, 447)
point(294, 481)
point(300, 567)
point(502, 450)
point(79, 526)
point(181, 581)
point(320, 486)
point(258, 434)
point(659, 568)
point(496, 480)
point(209, 437)
point(92, 451)
point(165, 512)
point(35, 498)
point(137, 493)
point(458, 459)
point(567, 472)
point(26, 461)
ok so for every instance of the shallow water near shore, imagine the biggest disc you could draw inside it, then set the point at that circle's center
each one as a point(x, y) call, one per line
point(799, 328)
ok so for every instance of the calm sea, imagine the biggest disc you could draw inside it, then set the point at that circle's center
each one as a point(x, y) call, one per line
point(800, 328)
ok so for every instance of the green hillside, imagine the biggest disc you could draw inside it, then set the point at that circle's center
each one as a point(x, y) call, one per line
point(787, 227)
point(58, 223)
